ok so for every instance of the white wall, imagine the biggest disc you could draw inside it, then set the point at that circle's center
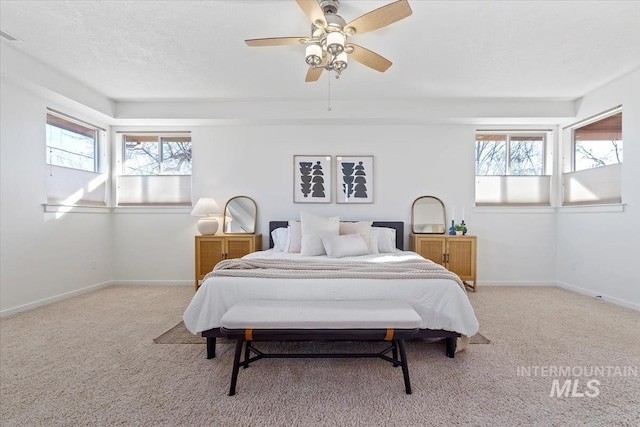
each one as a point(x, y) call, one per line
point(409, 161)
point(597, 251)
point(42, 256)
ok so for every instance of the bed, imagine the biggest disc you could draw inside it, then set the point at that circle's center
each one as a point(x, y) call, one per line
point(440, 301)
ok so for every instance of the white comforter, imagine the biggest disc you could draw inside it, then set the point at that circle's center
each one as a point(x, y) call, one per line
point(441, 303)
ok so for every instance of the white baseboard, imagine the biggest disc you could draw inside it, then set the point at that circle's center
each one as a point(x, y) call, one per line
point(480, 284)
point(45, 301)
point(588, 292)
point(154, 282)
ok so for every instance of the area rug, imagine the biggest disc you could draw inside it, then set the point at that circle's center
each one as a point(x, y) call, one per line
point(478, 339)
point(180, 335)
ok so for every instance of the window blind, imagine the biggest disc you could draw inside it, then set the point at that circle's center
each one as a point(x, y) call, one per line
point(67, 186)
point(154, 189)
point(593, 186)
point(514, 190)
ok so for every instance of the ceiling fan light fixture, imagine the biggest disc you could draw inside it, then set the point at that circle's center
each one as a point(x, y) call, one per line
point(335, 42)
point(313, 54)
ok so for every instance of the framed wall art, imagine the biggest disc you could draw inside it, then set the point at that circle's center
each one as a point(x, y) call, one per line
point(311, 179)
point(354, 179)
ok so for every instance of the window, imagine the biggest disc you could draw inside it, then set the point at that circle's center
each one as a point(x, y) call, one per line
point(598, 144)
point(593, 169)
point(155, 169)
point(510, 168)
point(153, 155)
point(74, 166)
point(71, 144)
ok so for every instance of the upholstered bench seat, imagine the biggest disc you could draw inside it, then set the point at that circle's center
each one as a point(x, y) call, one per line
point(267, 314)
point(268, 320)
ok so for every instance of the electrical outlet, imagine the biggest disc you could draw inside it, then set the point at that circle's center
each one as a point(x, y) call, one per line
point(94, 264)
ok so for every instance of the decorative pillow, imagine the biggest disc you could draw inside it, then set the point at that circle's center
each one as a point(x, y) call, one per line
point(345, 245)
point(373, 241)
point(385, 238)
point(314, 228)
point(280, 238)
point(363, 228)
point(295, 237)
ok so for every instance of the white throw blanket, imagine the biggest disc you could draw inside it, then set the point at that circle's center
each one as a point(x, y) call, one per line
point(289, 269)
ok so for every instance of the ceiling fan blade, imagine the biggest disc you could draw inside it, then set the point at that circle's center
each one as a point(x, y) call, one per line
point(312, 9)
point(369, 58)
point(380, 17)
point(275, 41)
point(313, 74)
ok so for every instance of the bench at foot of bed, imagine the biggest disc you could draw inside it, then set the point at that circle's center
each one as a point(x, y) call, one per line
point(451, 339)
point(251, 321)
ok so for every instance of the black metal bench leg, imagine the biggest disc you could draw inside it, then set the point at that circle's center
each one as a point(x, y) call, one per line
point(405, 367)
point(452, 342)
point(394, 354)
point(246, 354)
point(211, 347)
point(236, 367)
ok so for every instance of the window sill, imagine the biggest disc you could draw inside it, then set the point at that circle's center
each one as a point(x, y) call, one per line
point(613, 207)
point(63, 209)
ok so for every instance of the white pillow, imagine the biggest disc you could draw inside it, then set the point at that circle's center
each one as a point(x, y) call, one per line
point(280, 238)
point(314, 228)
point(383, 240)
point(345, 245)
point(363, 228)
point(295, 236)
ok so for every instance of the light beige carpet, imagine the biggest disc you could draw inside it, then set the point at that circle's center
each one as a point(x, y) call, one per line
point(91, 361)
point(180, 335)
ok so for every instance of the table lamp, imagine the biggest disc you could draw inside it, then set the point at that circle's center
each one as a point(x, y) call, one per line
point(205, 208)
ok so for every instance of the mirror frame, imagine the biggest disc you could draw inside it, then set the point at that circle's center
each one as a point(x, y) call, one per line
point(413, 219)
point(225, 215)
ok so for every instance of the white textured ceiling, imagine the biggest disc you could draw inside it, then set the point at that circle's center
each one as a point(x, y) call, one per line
point(194, 50)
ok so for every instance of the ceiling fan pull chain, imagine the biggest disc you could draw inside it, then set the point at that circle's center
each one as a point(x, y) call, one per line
point(329, 94)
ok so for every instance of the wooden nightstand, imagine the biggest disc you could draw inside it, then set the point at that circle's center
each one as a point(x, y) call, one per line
point(455, 253)
point(210, 250)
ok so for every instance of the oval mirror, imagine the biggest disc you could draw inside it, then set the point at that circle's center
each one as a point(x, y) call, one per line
point(428, 216)
point(240, 216)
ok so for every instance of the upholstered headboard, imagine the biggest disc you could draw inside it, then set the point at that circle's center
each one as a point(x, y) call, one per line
point(396, 225)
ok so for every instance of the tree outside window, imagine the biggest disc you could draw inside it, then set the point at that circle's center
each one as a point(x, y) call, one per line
point(510, 154)
point(157, 155)
point(598, 144)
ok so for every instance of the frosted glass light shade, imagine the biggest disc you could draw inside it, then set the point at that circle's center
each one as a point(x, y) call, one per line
point(335, 42)
point(341, 61)
point(313, 54)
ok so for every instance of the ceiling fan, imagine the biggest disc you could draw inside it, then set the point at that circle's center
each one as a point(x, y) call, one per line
point(327, 47)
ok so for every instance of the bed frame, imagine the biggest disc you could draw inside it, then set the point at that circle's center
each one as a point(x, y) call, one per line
point(449, 336)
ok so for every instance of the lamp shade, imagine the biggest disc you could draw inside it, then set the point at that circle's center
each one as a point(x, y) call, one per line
point(205, 206)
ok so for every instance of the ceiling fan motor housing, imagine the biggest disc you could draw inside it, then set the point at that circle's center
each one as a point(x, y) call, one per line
point(329, 6)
